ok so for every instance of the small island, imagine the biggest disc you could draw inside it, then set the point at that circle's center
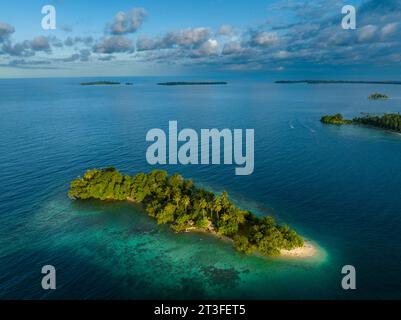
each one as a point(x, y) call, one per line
point(378, 96)
point(99, 83)
point(391, 121)
point(335, 119)
point(335, 82)
point(175, 201)
point(183, 83)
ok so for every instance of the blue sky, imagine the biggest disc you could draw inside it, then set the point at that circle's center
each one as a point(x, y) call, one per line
point(278, 39)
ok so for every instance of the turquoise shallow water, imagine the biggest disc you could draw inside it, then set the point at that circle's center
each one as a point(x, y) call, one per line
point(338, 186)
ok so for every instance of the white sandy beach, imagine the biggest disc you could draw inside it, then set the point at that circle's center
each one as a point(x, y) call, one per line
point(308, 250)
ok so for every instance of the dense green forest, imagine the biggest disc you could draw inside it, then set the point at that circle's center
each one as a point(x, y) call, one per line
point(336, 119)
point(175, 201)
point(389, 121)
point(378, 96)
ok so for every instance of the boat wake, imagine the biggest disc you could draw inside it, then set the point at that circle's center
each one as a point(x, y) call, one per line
point(310, 129)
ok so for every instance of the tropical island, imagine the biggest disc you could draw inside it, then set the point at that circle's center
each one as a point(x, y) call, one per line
point(185, 83)
point(391, 121)
point(177, 202)
point(99, 83)
point(378, 96)
point(335, 119)
point(335, 82)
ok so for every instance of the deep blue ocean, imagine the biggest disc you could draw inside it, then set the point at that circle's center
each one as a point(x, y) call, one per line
point(339, 186)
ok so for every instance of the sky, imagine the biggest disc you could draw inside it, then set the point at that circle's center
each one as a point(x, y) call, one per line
point(290, 39)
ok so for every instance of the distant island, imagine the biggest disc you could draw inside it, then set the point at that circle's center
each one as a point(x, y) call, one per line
point(335, 119)
point(336, 81)
point(175, 201)
point(99, 83)
point(387, 121)
point(378, 96)
point(183, 83)
point(104, 83)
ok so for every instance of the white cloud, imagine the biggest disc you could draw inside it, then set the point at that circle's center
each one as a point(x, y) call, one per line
point(5, 30)
point(366, 33)
point(282, 54)
point(113, 44)
point(210, 47)
point(389, 28)
point(265, 39)
point(128, 22)
point(226, 30)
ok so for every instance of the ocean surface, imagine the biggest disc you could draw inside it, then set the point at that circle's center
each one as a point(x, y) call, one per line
point(339, 186)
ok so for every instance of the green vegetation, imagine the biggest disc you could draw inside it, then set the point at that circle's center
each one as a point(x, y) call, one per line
point(378, 96)
point(336, 119)
point(389, 121)
point(99, 83)
point(336, 82)
point(175, 201)
point(190, 83)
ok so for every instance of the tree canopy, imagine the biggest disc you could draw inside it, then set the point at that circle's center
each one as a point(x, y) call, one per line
point(389, 121)
point(175, 201)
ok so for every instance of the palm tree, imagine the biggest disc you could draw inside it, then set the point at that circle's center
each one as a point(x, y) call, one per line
point(186, 202)
point(217, 206)
point(177, 198)
point(203, 205)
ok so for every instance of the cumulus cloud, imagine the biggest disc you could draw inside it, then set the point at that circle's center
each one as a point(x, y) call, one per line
point(186, 38)
point(72, 41)
point(233, 47)
point(20, 49)
point(312, 36)
point(264, 39)
point(367, 33)
point(5, 31)
point(127, 22)
point(226, 30)
point(282, 54)
point(208, 48)
point(113, 44)
point(82, 55)
point(29, 48)
point(40, 43)
point(389, 28)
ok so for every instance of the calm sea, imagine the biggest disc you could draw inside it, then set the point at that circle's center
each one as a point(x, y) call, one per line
point(338, 186)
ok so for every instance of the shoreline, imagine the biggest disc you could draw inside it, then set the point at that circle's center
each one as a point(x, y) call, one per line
point(286, 241)
point(307, 251)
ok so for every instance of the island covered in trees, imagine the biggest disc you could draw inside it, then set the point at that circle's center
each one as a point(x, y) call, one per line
point(336, 82)
point(176, 201)
point(188, 83)
point(378, 96)
point(100, 83)
point(389, 121)
point(335, 119)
